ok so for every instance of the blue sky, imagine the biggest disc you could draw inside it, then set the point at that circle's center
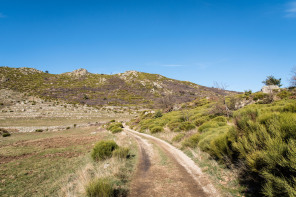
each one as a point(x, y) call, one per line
point(234, 42)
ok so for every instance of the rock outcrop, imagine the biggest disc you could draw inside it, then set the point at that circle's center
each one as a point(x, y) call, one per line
point(270, 89)
point(78, 73)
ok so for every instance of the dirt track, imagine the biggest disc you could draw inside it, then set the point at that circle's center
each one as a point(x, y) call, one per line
point(163, 170)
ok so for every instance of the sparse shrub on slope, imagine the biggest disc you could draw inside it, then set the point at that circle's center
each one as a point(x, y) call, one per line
point(192, 141)
point(158, 114)
point(4, 132)
point(199, 121)
point(115, 127)
point(174, 126)
point(178, 137)
point(207, 125)
point(220, 119)
point(121, 153)
point(103, 150)
point(156, 129)
point(284, 94)
point(186, 126)
point(210, 141)
point(100, 188)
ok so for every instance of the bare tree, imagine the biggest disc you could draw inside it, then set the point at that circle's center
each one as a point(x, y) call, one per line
point(293, 78)
point(166, 102)
point(223, 86)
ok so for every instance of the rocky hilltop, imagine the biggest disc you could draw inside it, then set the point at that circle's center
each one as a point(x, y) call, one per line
point(78, 73)
point(80, 86)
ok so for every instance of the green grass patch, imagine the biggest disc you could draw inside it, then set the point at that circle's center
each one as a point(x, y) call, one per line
point(100, 187)
point(103, 150)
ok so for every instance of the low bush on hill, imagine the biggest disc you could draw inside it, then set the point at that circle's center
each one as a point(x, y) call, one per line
point(186, 126)
point(121, 153)
point(103, 150)
point(192, 141)
point(156, 129)
point(4, 132)
point(100, 187)
point(178, 137)
point(115, 127)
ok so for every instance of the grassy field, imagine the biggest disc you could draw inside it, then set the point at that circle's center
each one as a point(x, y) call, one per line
point(51, 163)
point(55, 121)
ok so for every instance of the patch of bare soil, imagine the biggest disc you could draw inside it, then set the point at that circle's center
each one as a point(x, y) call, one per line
point(58, 142)
point(177, 176)
point(7, 159)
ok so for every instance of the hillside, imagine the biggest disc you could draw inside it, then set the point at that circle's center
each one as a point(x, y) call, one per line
point(80, 86)
point(256, 141)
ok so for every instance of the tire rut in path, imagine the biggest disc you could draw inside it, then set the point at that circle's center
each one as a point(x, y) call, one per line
point(178, 179)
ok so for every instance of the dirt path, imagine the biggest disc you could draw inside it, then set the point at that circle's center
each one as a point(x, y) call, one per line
point(164, 170)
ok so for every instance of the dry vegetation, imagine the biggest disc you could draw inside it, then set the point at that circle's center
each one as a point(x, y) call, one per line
point(58, 163)
point(130, 88)
point(256, 142)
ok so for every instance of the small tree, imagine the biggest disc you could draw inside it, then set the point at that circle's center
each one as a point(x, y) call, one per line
point(271, 80)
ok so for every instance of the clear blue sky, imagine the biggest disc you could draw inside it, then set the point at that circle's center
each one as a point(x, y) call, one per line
point(235, 42)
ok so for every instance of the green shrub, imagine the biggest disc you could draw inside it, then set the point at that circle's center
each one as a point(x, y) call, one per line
point(6, 134)
point(100, 188)
point(201, 120)
point(192, 141)
point(220, 124)
point(177, 129)
point(116, 130)
point(208, 125)
point(186, 126)
point(174, 125)
point(258, 96)
point(156, 129)
point(178, 137)
point(115, 127)
point(103, 150)
point(39, 130)
point(121, 153)
point(112, 120)
point(220, 147)
point(284, 94)
point(68, 128)
point(267, 146)
point(290, 108)
point(158, 114)
point(219, 119)
point(117, 124)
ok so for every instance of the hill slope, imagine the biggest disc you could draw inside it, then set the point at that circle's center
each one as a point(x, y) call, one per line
point(80, 86)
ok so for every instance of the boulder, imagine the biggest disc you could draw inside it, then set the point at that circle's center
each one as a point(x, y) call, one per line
point(270, 89)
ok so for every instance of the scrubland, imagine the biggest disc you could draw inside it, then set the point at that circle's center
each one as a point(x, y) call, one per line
point(248, 151)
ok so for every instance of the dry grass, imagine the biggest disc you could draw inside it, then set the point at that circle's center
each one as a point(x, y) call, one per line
point(115, 169)
point(36, 164)
point(55, 121)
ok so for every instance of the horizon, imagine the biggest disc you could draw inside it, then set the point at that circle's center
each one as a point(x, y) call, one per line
point(234, 43)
